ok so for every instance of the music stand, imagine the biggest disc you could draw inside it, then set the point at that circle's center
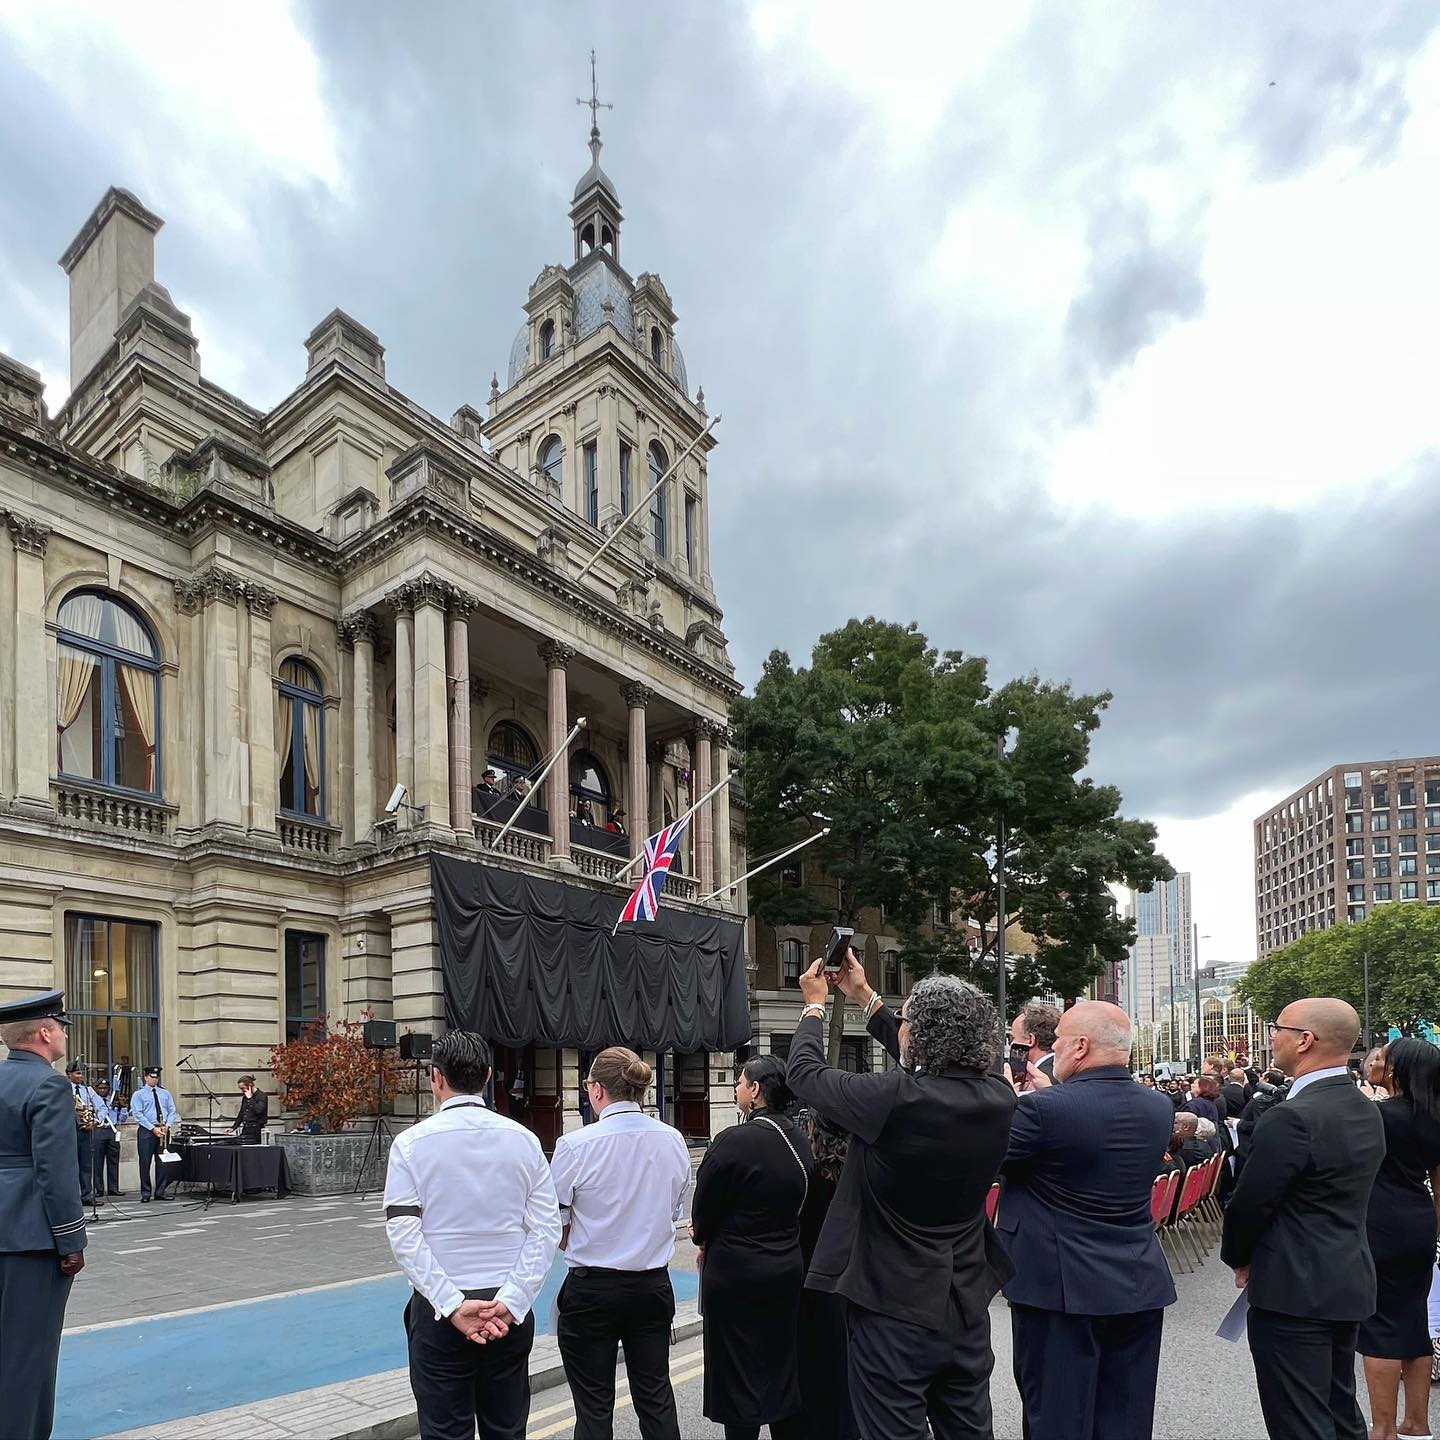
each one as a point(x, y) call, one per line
point(380, 1127)
point(212, 1101)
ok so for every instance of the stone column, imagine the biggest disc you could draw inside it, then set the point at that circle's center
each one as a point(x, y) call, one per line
point(264, 792)
point(557, 656)
point(461, 604)
point(637, 801)
point(721, 806)
point(655, 754)
point(219, 594)
point(357, 630)
point(402, 601)
point(701, 783)
point(34, 715)
point(432, 723)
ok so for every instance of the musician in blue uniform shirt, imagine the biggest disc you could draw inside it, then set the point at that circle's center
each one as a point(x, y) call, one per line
point(87, 1141)
point(42, 1224)
point(113, 1115)
point(150, 1106)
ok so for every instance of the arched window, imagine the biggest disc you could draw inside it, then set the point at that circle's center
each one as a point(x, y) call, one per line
point(792, 961)
point(588, 781)
point(658, 466)
point(552, 462)
point(656, 344)
point(547, 339)
point(607, 239)
point(511, 753)
point(301, 747)
point(107, 695)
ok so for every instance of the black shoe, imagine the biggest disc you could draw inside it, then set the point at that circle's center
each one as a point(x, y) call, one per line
point(120, 1193)
point(144, 1199)
point(162, 1197)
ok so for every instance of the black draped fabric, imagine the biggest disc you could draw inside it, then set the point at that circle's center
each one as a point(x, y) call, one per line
point(532, 961)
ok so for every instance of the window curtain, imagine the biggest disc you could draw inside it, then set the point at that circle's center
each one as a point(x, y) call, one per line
point(287, 750)
point(311, 715)
point(140, 687)
point(82, 615)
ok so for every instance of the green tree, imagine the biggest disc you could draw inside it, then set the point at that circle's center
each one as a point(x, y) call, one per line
point(892, 746)
point(1400, 943)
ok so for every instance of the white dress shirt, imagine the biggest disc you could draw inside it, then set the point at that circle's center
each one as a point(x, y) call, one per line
point(621, 1186)
point(1296, 1086)
point(469, 1205)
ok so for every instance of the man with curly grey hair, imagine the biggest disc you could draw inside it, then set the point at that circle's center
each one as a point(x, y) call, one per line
point(906, 1241)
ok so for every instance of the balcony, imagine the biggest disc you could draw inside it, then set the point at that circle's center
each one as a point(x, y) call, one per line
point(306, 837)
point(112, 810)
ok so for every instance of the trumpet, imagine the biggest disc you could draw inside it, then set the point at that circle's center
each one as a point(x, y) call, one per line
point(85, 1116)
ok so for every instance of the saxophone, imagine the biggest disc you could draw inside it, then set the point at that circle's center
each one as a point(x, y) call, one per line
point(85, 1116)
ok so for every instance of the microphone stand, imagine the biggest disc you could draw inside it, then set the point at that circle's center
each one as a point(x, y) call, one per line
point(212, 1100)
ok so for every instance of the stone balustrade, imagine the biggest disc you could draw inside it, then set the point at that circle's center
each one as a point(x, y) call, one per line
point(111, 810)
point(308, 837)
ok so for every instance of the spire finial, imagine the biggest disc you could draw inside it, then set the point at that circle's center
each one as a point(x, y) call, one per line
point(596, 105)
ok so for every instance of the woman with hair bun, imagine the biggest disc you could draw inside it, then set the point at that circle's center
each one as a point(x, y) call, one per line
point(621, 1185)
point(745, 1218)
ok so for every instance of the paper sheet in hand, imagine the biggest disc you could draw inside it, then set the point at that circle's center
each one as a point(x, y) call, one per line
point(1232, 1327)
point(169, 1157)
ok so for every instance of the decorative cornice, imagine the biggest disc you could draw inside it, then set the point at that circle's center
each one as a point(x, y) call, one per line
point(30, 537)
point(356, 627)
point(637, 695)
point(555, 653)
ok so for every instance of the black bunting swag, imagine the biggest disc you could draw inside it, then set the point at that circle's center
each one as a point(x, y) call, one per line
point(527, 960)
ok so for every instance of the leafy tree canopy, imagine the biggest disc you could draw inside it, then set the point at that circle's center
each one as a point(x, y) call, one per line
point(892, 745)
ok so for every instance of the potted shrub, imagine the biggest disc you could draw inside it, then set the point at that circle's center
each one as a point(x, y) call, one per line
point(330, 1080)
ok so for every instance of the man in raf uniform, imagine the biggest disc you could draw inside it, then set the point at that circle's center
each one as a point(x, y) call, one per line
point(42, 1224)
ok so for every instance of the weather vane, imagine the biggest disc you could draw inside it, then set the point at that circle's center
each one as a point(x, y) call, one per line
point(595, 103)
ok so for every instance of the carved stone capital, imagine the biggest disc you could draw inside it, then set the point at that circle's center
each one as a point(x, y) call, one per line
point(462, 602)
point(641, 415)
point(657, 752)
point(219, 584)
point(402, 598)
point(358, 627)
point(707, 729)
point(479, 689)
point(605, 391)
point(431, 590)
point(259, 601)
point(637, 695)
point(570, 407)
point(30, 537)
point(189, 596)
point(556, 654)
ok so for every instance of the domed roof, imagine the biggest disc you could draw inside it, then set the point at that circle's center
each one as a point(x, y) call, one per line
point(519, 354)
point(596, 176)
point(594, 285)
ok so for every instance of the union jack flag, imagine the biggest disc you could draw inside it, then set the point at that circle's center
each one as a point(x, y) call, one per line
point(644, 903)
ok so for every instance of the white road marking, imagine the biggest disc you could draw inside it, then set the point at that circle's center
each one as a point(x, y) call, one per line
point(333, 1220)
point(140, 1250)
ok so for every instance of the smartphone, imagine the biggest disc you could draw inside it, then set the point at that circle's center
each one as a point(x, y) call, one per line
point(1019, 1061)
point(839, 945)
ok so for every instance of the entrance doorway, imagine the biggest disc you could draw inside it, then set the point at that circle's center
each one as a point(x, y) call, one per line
point(690, 1086)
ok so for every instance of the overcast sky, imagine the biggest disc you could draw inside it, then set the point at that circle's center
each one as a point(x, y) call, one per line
point(1101, 339)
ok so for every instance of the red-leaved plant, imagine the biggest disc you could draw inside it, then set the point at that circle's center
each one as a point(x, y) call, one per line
point(329, 1076)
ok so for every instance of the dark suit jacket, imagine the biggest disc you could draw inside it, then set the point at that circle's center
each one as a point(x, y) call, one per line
point(1297, 1215)
point(1235, 1099)
point(254, 1111)
point(907, 1227)
point(1075, 1214)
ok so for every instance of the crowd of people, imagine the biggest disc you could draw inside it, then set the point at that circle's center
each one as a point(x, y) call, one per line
point(844, 1233)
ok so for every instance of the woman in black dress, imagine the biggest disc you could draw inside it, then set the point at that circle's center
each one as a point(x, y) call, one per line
point(1401, 1223)
point(745, 1218)
point(826, 1413)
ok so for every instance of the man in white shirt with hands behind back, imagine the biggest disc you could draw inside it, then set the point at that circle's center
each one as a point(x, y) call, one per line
point(472, 1220)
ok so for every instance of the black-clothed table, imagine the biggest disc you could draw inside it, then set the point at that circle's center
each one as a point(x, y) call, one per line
point(236, 1168)
point(460, 1386)
point(748, 1195)
point(1297, 1220)
point(906, 1242)
point(598, 1310)
point(1400, 1229)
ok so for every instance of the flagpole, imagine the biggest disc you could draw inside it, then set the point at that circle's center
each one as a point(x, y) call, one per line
point(713, 791)
point(750, 874)
point(640, 509)
point(539, 780)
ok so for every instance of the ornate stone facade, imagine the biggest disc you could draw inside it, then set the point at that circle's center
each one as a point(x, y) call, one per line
point(284, 615)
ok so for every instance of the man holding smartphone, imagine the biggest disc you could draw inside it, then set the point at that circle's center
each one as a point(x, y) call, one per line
point(1032, 1042)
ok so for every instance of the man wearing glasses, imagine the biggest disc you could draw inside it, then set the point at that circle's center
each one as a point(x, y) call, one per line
point(1295, 1227)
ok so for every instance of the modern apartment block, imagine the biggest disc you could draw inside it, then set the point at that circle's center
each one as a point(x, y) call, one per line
point(1357, 836)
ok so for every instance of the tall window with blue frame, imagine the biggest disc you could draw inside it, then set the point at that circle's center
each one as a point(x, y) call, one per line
point(107, 695)
point(592, 484)
point(304, 981)
point(624, 478)
point(302, 741)
point(658, 466)
point(112, 995)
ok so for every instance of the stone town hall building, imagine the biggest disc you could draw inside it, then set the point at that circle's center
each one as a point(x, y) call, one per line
point(229, 633)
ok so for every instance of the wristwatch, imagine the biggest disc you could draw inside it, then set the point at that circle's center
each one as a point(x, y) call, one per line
point(812, 1009)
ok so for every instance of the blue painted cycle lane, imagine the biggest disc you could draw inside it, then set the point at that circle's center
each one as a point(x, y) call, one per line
point(149, 1371)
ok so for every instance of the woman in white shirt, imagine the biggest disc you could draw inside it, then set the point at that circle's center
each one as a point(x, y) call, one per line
point(621, 1185)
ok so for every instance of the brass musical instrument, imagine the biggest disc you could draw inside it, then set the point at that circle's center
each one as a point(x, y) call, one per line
point(162, 1136)
point(85, 1116)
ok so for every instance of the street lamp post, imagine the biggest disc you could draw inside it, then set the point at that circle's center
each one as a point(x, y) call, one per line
point(1002, 745)
point(1199, 1019)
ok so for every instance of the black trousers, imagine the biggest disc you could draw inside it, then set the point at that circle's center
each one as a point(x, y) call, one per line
point(106, 1153)
point(1305, 1373)
point(598, 1310)
point(149, 1150)
point(33, 1293)
point(1086, 1377)
point(460, 1386)
point(903, 1374)
point(85, 1157)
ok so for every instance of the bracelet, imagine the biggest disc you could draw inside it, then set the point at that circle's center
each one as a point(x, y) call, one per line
point(812, 1009)
point(873, 1003)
